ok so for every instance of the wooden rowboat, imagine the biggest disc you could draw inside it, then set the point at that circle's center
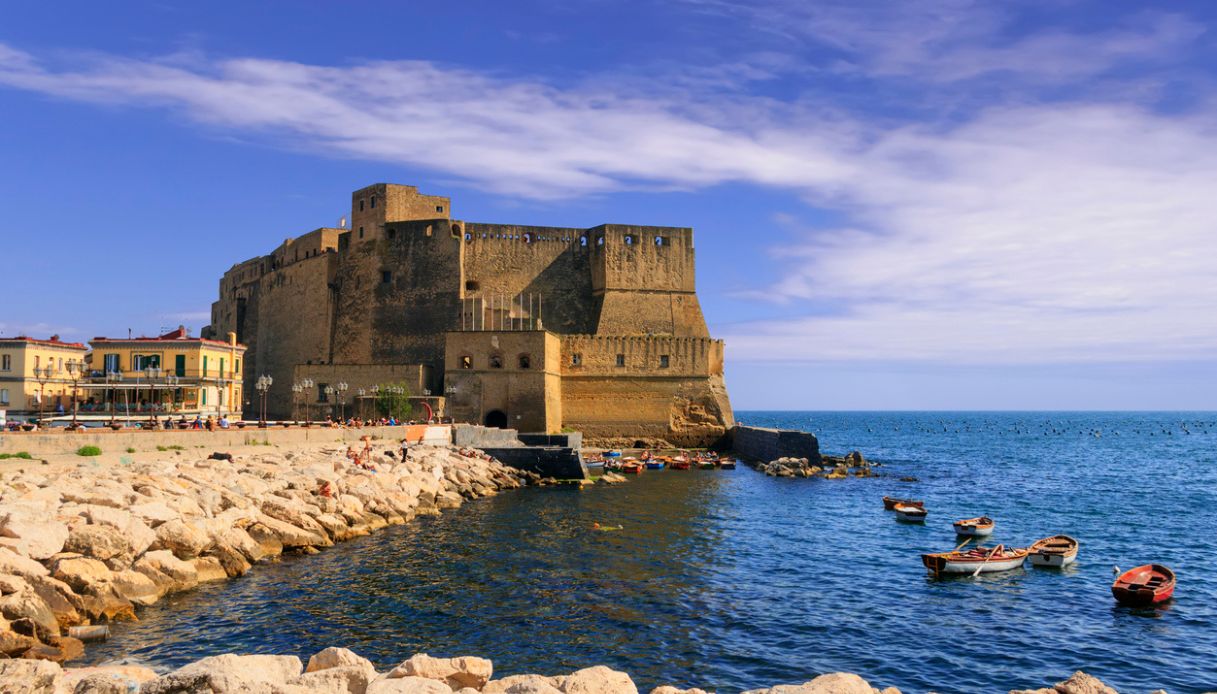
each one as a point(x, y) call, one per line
point(727, 464)
point(975, 527)
point(1143, 586)
point(705, 465)
point(679, 464)
point(890, 503)
point(986, 559)
point(1055, 552)
point(910, 514)
point(631, 467)
point(655, 464)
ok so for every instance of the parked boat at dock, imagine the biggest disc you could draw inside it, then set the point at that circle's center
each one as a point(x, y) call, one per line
point(976, 560)
point(910, 514)
point(655, 464)
point(1151, 584)
point(974, 527)
point(890, 503)
point(727, 463)
point(1055, 552)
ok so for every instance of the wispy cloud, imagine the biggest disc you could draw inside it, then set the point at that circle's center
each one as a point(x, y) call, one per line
point(1026, 230)
point(36, 330)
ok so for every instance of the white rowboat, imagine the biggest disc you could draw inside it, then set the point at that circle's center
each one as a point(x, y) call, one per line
point(910, 514)
point(1054, 552)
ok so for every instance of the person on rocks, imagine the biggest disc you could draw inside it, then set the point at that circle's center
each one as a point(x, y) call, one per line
point(224, 424)
point(197, 423)
point(405, 449)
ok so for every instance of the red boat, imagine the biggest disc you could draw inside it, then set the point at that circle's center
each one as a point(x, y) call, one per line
point(632, 467)
point(890, 503)
point(1144, 586)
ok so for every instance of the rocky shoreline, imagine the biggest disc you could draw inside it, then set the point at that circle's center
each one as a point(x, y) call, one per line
point(341, 671)
point(88, 544)
point(827, 466)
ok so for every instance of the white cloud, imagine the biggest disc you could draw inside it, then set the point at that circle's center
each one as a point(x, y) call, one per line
point(1021, 233)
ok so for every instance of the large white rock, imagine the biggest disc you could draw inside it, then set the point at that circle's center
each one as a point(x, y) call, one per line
point(229, 674)
point(342, 679)
point(336, 657)
point(185, 540)
point(13, 563)
point(30, 676)
point(36, 539)
point(458, 673)
point(169, 573)
point(600, 680)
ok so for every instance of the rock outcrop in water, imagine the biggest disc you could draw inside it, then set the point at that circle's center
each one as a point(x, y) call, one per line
point(92, 544)
point(340, 671)
point(829, 467)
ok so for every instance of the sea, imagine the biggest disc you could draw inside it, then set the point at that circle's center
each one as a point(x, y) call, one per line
point(731, 580)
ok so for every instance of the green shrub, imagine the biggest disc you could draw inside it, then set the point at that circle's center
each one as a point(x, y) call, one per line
point(88, 451)
point(20, 454)
point(130, 450)
point(162, 449)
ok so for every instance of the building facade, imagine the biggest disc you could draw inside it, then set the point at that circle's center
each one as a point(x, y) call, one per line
point(537, 328)
point(27, 388)
point(172, 374)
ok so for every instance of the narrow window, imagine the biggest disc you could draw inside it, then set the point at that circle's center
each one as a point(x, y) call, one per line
point(361, 204)
point(137, 368)
point(583, 241)
point(665, 361)
point(4, 396)
point(204, 391)
point(439, 208)
point(472, 285)
point(321, 394)
point(373, 202)
point(629, 240)
point(620, 360)
point(37, 361)
point(660, 241)
point(576, 360)
point(361, 232)
point(7, 363)
point(525, 362)
point(386, 277)
point(599, 240)
point(392, 232)
point(466, 362)
point(527, 238)
point(496, 361)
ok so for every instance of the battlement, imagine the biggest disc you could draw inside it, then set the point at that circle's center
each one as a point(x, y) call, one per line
point(633, 355)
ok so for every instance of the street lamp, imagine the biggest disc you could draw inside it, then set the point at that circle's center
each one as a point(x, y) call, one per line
point(342, 399)
point(329, 395)
point(172, 381)
point(307, 385)
point(297, 389)
point(76, 371)
point(263, 385)
point(361, 392)
point(42, 375)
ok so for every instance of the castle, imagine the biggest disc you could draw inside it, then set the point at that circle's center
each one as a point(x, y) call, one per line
point(534, 328)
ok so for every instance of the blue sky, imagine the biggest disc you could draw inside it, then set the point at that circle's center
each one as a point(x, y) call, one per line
point(941, 204)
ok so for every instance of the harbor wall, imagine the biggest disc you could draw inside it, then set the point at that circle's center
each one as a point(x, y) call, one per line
point(65, 442)
point(546, 461)
point(758, 443)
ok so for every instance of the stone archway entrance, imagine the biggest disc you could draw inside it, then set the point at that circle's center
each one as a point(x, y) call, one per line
point(496, 419)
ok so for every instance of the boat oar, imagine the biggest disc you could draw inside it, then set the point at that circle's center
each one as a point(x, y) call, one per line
point(964, 543)
point(986, 561)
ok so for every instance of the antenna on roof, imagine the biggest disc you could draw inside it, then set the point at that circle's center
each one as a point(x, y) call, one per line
point(342, 222)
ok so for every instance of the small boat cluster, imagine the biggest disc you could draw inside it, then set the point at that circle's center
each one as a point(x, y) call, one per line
point(615, 461)
point(1143, 586)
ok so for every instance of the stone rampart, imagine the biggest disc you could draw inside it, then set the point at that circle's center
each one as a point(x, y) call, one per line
point(758, 443)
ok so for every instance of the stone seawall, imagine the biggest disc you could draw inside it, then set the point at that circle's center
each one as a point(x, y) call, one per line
point(60, 442)
point(90, 542)
point(757, 443)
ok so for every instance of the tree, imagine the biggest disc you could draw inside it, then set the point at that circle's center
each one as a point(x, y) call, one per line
point(393, 399)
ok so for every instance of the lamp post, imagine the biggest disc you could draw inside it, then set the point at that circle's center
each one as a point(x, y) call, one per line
point(113, 377)
point(362, 392)
point(342, 400)
point(263, 385)
point(153, 373)
point(297, 389)
point(329, 395)
point(76, 371)
point(307, 385)
point(42, 375)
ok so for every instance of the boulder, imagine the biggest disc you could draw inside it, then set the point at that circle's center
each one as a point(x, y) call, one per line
point(1079, 683)
point(106, 679)
point(185, 540)
point(36, 539)
point(674, 690)
point(136, 587)
point(154, 512)
point(81, 573)
point(524, 684)
point(408, 685)
point(224, 674)
point(600, 680)
point(342, 679)
point(12, 645)
point(58, 596)
point(13, 563)
point(101, 542)
point(336, 657)
point(169, 573)
point(209, 569)
point(58, 650)
point(28, 605)
point(30, 676)
point(458, 673)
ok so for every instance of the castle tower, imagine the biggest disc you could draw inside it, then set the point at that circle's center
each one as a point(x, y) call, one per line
point(376, 205)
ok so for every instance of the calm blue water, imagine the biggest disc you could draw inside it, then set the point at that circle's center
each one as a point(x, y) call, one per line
point(732, 580)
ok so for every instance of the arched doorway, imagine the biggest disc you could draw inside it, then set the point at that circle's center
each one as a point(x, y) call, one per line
point(496, 419)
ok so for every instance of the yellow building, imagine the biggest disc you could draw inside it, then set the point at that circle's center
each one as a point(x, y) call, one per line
point(35, 374)
point(174, 374)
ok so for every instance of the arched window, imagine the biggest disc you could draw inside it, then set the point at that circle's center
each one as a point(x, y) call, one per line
point(527, 238)
point(629, 240)
point(496, 361)
point(466, 362)
point(583, 241)
point(525, 361)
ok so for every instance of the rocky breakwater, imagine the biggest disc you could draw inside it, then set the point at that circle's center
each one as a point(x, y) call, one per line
point(829, 467)
point(340, 671)
point(92, 544)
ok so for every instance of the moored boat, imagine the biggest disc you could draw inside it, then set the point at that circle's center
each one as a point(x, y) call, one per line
point(978, 559)
point(910, 514)
point(727, 463)
point(1143, 586)
point(655, 464)
point(680, 464)
point(974, 527)
point(1055, 552)
point(890, 503)
point(631, 467)
point(705, 464)
point(595, 467)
